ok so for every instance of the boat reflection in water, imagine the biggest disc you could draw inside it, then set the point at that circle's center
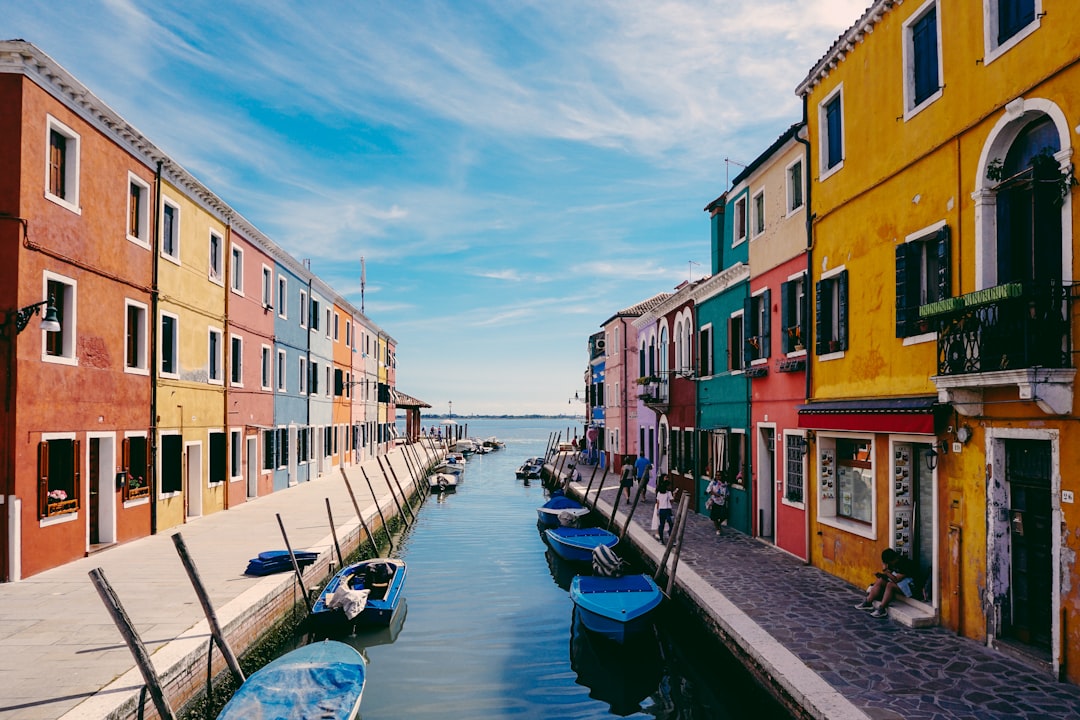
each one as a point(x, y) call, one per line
point(621, 675)
point(562, 571)
point(366, 636)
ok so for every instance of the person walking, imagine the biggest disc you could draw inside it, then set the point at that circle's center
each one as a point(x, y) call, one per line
point(642, 466)
point(626, 480)
point(664, 500)
point(717, 503)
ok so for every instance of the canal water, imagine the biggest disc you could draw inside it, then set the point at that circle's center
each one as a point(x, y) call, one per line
point(488, 629)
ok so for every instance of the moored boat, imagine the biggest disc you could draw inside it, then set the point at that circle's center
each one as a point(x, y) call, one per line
point(367, 592)
point(618, 608)
point(443, 482)
point(578, 544)
point(561, 510)
point(530, 469)
point(321, 680)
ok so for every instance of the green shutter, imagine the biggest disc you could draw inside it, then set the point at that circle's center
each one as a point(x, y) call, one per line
point(820, 343)
point(766, 324)
point(842, 315)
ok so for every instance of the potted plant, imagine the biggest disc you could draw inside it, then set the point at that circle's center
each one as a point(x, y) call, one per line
point(834, 346)
point(795, 337)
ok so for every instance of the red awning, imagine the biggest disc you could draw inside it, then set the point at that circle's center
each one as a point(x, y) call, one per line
point(880, 415)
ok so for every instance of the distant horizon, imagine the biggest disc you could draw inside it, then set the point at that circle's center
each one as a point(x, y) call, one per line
point(502, 416)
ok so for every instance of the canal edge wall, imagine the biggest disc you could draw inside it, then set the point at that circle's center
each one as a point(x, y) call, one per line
point(781, 673)
point(181, 662)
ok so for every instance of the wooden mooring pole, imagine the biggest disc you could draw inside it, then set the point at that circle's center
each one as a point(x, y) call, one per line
point(404, 496)
point(295, 565)
point(390, 487)
point(134, 643)
point(333, 532)
point(633, 508)
point(360, 515)
point(385, 525)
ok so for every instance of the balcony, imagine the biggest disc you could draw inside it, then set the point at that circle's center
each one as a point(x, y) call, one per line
point(654, 393)
point(1009, 335)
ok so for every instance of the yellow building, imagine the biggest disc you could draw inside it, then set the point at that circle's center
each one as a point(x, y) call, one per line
point(192, 433)
point(942, 262)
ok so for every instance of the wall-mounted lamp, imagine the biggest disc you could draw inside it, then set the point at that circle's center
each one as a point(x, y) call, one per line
point(50, 322)
point(936, 448)
point(799, 443)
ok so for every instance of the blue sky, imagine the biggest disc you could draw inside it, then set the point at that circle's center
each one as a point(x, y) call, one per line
point(514, 172)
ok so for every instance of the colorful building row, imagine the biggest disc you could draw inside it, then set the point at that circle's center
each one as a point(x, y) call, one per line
point(882, 355)
point(189, 364)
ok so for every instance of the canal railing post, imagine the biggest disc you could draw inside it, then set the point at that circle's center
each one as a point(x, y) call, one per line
point(360, 515)
point(216, 632)
point(390, 487)
point(386, 527)
point(134, 643)
point(333, 532)
point(295, 565)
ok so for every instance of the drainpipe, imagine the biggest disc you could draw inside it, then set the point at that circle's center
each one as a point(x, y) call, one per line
point(809, 344)
point(154, 303)
point(226, 352)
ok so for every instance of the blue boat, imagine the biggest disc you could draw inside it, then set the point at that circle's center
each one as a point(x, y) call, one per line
point(364, 593)
point(275, 561)
point(617, 608)
point(322, 680)
point(552, 512)
point(577, 544)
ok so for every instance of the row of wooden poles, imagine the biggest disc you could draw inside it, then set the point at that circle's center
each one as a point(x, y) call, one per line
point(673, 546)
point(418, 468)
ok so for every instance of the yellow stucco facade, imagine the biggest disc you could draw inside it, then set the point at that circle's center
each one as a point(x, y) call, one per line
point(910, 168)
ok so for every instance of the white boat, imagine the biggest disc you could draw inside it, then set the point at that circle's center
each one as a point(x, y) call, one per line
point(442, 482)
point(454, 463)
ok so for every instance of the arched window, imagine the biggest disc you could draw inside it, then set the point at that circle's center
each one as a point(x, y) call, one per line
point(678, 345)
point(1029, 201)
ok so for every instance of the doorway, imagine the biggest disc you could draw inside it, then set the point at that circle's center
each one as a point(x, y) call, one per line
point(193, 480)
point(766, 478)
point(252, 466)
point(1029, 611)
point(913, 509)
point(102, 489)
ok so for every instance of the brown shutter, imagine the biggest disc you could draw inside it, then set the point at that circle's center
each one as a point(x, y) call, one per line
point(43, 478)
point(76, 464)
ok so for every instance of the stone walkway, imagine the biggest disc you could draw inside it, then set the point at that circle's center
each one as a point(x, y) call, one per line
point(884, 669)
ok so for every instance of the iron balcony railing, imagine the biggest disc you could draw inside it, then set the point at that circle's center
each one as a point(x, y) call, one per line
point(1007, 327)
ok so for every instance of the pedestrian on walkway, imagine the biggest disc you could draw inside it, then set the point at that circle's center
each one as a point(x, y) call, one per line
point(664, 499)
point(642, 466)
point(897, 575)
point(717, 503)
point(627, 479)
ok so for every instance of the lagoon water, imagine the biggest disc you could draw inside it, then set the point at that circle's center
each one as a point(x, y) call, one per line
point(488, 628)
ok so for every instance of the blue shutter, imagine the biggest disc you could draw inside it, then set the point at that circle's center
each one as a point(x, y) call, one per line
point(925, 55)
point(834, 128)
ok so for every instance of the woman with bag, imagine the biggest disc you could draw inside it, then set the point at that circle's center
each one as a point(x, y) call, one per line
point(717, 503)
point(627, 479)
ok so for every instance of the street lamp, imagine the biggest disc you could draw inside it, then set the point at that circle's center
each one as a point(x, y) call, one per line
point(50, 322)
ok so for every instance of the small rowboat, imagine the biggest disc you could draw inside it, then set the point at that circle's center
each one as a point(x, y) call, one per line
point(577, 544)
point(561, 510)
point(617, 608)
point(443, 482)
point(364, 593)
point(322, 680)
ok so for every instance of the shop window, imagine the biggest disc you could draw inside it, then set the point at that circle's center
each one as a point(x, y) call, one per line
point(847, 480)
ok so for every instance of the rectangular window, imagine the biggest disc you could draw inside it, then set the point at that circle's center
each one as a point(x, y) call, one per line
point(265, 375)
point(794, 455)
point(759, 213)
point(62, 165)
point(303, 308)
point(793, 313)
point(794, 186)
point(282, 296)
point(328, 328)
point(921, 56)
point(138, 227)
point(170, 344)
point(740, 220)
point(236, 360)
point(348, 333)
point(60, 345)
point(757, 326)
point(339, 382)
point(267, 287)
point(283, 447)
point(269, 450)
point(735, 342)
point(281, 383)
point(236, 453)
point(213, 361)
point(832, 131)
point(922, 276)
point(170, 231)
point(172, 463)
point(314, 314)
point(303, 376)
point(314, 378)
point(302, 445)
point(705, 351)
point(831, 312)
point(236, 271)
point(216, 256)
point(328, 380)
point(337, 321)
point(135, 465)
point(219, 458)
point(59, 472)
point(854, 480)
point(135, 345)
point(1012, 17)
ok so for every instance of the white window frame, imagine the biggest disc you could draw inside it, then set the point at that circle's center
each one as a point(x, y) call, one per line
point(738, 344)
point(236, 269)
point(282, 373)
point(991, 50)
point(142, 366)
point(141, 236)
point(215, 361)
point(283, 297)
point(237, 446)
point(303, 375)
point(217, 278)
point(70, 322)
point(834, 305)
point(337, 322)
point(303, 308)
point(823, 134)
point(757, 212)
point(741, 221)
point(910, 108)
point(790, 186)
point(826, 508)
point(267, 287)
point(72, 160)
point(84, 501)
point(784, 468)
point(176, 345)
point(236, 360)
point(328, 328)
point(175, 257)
point(266, 369)
point(329, 379)
point(707, 352)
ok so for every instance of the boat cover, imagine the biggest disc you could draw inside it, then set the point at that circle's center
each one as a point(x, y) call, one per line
point(628, 583)
point(561, 502)
point(351, 601)
point(310, 682)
